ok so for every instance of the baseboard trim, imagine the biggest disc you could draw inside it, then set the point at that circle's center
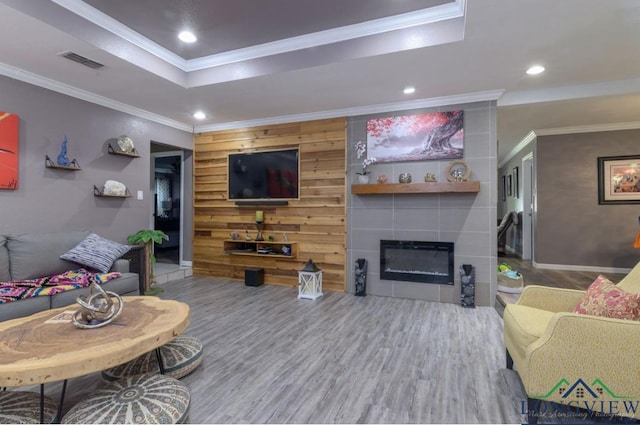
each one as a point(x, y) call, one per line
point(575, 268)
point(186, 264)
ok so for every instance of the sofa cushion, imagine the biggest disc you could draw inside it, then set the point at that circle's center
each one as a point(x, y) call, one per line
point(525, 325)
point(96, 252)
point(605, 299)
point(38, 255)
point(25, 307)
point(4, 260)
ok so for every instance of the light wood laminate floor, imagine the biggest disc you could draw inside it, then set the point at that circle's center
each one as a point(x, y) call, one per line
point(271, 358)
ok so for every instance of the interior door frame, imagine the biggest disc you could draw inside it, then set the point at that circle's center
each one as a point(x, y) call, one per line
point(163, 154)
point(528, 206)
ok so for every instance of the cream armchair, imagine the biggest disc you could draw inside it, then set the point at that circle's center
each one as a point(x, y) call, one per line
point(573, 359)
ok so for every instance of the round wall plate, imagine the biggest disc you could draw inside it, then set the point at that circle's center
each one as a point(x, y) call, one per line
point(458, 171)
point(125, 144)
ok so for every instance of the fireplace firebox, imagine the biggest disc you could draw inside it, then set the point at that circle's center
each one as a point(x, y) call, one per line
point(417, 261)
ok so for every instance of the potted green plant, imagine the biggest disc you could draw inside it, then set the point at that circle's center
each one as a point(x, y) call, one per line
point(148, 238)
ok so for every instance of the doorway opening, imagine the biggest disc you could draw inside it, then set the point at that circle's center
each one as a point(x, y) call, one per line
point(167, 203)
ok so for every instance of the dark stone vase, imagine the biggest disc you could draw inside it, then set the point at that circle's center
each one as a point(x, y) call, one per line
point(468, 286)
point(361, 277)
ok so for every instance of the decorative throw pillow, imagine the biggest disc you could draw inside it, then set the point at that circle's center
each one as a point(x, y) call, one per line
point(605, 299)
point(96, 253)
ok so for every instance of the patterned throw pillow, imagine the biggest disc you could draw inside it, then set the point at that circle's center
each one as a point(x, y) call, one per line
point(96, 253)
point(605, 299)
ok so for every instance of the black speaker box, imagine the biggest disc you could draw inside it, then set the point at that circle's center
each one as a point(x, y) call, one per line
point(253, 277)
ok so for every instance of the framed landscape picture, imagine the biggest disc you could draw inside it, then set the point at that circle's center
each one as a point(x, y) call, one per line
point(8, 151)
point(619, 179)
point(438, 135)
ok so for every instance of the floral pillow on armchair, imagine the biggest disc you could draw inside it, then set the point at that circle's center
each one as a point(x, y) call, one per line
point(605, 299)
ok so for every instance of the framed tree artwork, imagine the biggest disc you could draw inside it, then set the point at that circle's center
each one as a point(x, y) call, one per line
point(516, 182)
point(438, 135)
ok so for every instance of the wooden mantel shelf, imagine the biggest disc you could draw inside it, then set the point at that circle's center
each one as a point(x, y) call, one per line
point(435, 187)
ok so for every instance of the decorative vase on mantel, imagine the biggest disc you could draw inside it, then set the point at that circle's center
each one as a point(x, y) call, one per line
point(363, 178)
point(404, 178)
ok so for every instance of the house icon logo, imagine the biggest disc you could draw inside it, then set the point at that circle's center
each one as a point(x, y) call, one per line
point(580, 390)
point(580, 399)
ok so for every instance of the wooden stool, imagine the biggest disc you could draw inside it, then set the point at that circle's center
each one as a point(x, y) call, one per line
point(23, 407)
point(141, 399)
point(180, 357)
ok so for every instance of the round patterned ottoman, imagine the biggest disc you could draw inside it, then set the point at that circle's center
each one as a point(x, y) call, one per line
point(23, 407)
point(142, 399)
point(179, 357)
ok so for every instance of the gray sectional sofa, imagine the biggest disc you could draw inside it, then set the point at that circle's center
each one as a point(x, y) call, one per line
point(31, 256)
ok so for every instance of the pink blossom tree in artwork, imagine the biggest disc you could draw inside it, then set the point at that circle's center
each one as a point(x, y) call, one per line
point(416, 137)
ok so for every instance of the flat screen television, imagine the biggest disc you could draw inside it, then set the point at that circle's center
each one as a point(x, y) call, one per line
point(264, 175)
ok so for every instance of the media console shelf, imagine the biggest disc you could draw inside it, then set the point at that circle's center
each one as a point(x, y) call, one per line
point(432, 187)
point(260, 248)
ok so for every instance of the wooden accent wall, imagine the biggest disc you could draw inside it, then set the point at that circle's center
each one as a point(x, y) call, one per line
point(317, 221)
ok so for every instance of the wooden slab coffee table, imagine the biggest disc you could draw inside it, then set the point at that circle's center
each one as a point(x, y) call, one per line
point(35, 352)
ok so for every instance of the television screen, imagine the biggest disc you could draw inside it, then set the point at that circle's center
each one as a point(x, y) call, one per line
point(264, 175)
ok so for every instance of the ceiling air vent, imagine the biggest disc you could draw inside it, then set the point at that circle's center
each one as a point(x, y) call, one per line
point(82, 60)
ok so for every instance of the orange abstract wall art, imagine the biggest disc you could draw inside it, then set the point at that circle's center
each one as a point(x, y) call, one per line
point(8, 151)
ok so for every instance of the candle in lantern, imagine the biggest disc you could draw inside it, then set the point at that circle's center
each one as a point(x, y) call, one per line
point(259, 216)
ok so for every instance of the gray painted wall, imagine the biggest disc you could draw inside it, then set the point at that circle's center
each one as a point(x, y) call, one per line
point(468, 220)
point(49, 200)
point(571, 228)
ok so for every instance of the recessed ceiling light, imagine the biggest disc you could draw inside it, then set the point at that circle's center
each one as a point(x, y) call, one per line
point(187, 37)
point(199, 115)
point(409, 90)
point(536, 69)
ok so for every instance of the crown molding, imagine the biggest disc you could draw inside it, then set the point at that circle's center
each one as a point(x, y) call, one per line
point(40, 81)
point(581, 91)
point(520, 146)
point(105, 21)
point(455, 9)
point(355, 111)
point(334, 35)
point(594, 128)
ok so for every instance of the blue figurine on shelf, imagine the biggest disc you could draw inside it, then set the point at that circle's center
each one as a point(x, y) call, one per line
point(62, 156)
